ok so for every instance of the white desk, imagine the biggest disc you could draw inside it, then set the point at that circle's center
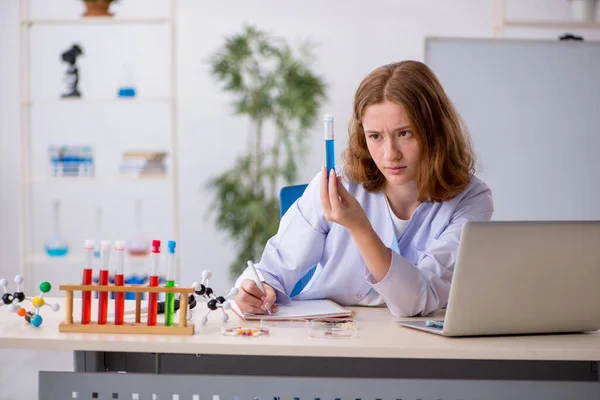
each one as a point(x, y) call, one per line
point(404, 357)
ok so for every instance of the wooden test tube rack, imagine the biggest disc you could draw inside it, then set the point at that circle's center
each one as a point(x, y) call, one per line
point(137, 327)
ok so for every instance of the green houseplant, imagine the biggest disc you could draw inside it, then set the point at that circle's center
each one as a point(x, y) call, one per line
point(272, 84)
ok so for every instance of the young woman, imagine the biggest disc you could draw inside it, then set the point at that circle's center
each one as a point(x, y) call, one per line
point(385, 231)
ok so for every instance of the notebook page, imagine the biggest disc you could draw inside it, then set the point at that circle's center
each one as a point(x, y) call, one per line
point(300, 309)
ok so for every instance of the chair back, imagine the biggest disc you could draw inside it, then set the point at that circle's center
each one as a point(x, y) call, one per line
point(288, 195)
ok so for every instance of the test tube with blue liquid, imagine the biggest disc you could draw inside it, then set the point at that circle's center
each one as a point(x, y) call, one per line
point(329, 142)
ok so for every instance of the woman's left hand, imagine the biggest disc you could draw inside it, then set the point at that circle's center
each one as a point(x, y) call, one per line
point(338, 204)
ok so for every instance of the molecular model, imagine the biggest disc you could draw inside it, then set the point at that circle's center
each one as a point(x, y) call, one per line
point(13, 300)
point(216, 302)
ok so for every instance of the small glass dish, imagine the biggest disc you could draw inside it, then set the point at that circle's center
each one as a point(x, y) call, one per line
point(332, 328)
point(245, 331)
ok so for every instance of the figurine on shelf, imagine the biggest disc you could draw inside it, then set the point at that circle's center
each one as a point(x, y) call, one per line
point(72, 74)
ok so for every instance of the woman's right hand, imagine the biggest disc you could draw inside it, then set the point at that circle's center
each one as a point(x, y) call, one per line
point(251, 300)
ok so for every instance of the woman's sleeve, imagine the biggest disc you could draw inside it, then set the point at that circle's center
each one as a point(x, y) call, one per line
point(411, 290)
point(297, 246)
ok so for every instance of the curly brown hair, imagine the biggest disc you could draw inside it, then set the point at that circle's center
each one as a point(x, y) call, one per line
point(447, 160)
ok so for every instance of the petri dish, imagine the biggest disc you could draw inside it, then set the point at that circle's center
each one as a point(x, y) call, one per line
point(332, 328)
point(244, 331)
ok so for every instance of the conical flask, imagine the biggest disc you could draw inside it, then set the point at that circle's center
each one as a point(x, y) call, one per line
point(56, 245)
point(138, 244)
point(126, 82)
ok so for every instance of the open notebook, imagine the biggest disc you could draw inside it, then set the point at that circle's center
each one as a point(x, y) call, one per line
point(308, 309)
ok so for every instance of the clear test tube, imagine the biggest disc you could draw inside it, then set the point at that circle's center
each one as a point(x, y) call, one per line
point(329, 143)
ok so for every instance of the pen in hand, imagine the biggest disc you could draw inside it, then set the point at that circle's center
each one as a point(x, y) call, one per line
point(257, 281)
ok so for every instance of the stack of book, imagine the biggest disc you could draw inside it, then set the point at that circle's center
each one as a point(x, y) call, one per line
point(143, 164)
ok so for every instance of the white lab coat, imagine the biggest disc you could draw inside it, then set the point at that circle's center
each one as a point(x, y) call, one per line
point(418, 282)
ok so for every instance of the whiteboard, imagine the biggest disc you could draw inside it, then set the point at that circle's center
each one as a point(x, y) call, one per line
point(533, 112)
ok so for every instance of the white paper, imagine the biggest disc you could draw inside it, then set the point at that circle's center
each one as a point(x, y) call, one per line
point(300, 309)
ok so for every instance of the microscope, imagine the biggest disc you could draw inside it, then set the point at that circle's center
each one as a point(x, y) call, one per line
point(72, 73)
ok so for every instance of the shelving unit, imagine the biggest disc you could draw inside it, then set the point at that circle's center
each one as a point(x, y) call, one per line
point(33, 260)
point(501, 23)
point(95, 20)
point(93, 179)
point(40, 258)
point(71, 102)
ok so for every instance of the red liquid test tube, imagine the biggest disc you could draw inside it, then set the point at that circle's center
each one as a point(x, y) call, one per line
point(153, 281)
point(119, 281)
point(103, 281)
point(86, 279)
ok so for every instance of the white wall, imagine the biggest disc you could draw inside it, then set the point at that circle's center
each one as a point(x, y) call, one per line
point(354, 36)
point(352, 40)
point(9, 138)
point(350, 45)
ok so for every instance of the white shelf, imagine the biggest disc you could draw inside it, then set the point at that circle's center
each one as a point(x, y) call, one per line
point(92, 179)
point(95, 21)
point(36, 264)
point(551, 24)
point(41, 258)
point(98, 100)
point(501, 22)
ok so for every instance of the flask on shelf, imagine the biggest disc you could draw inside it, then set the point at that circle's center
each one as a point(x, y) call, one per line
point(126, 83)
point(138, 244)
point(56, 245)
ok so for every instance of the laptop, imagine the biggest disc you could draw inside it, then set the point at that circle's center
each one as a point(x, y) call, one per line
point(523, 277)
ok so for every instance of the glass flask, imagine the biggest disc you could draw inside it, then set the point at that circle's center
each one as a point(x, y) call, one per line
point(56, 245)
point(126, 82)
point(138, 244)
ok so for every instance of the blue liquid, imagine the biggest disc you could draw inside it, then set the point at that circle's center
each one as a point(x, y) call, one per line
point(329, 155)
point(127, 92)
point(57, 252)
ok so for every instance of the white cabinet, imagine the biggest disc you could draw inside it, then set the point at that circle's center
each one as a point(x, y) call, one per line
point(137, 38)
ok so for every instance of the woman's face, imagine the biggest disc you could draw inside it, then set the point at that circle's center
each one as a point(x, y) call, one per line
point(391, 142)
